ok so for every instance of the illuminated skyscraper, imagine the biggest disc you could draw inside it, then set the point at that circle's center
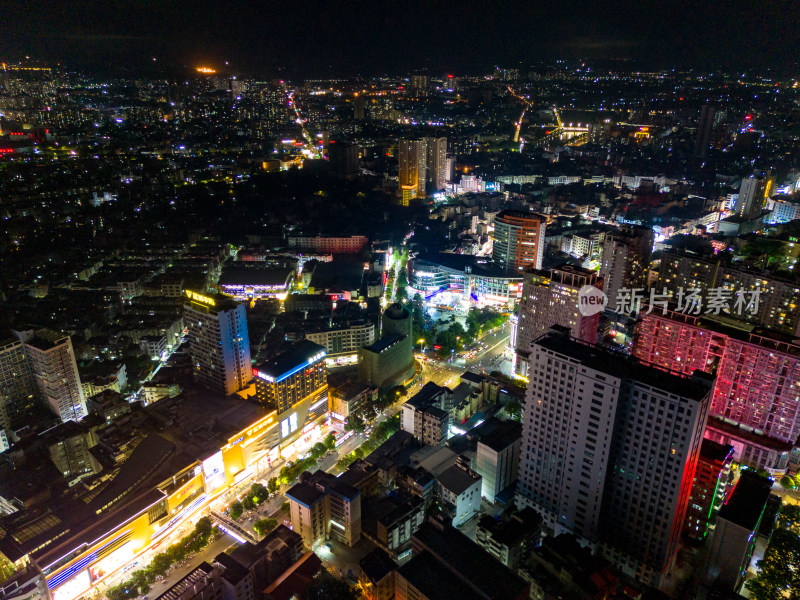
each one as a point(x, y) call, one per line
point(422, 166)
point(756, 402)
point(294, 384)
point(518, 241)
point(551, 298)
point(218, 341)
point(626, 260)
point(17, 389)
point(55, 372)
point(409, 156)
point(610, 446)
point(753, 196)
point(436, 163)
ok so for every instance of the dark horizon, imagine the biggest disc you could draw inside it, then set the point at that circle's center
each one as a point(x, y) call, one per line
point(348, 39)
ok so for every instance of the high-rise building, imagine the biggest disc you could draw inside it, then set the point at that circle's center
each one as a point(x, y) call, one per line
point(435, 163)
point(343, 158)
point(218, 341)
point(708, 489)
point(55, 372)
point(704, 128)
point(518, 240)
point(626, 260)
point(777, 307)
point(359, 104)
point(610, 447)
point(756, 401)
point(409, 157)
point(551, 298)
point(497, 458)
point(390, 360)
point(422, 165)
point(294, 376)
point(419, 83)
point(753, 196)
point(17, 389)
point(734, 540)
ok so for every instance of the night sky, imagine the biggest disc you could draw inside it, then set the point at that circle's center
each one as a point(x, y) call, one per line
point(317, 38)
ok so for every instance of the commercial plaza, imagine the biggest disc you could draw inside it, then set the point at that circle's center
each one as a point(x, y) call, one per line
point(179, 470)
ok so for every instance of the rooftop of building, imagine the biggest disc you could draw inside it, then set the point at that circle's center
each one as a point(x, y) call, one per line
point(460, 262)
point(294, 582)
point(305, 493)
point(200, 572)
point(511, 531)
point(461, 555)
point(396, 311)
point(437, 582)
point(300, 354)
point(456, 480)
point(377, 564)
point(46, 339)
point(280, 537)
point(520, 214)
point(711, 450)
point(384, 343)
point(387, 510)
point(747, 500)
point(242, 275)
point(210, 301)
point(339, 275)
point(497, 434)
point(234, 572)
point(619, 365)
point(423, 398)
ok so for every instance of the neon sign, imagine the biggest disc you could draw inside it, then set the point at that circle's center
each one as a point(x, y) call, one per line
point(200, 298)
point(266, 422)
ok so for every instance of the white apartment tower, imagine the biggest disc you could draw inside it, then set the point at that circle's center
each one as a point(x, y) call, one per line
point(55, 372)
point(551, 298)
point(218, 341)
point(609, 450)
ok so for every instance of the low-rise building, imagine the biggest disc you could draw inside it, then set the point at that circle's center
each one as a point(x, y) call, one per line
point(323, 507)
point(387, 362)
point(376, 575)
point(390, 522)
point(510, 541)
point(460, 491)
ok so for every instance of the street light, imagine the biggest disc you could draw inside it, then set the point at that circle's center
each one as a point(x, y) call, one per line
point(420, 341)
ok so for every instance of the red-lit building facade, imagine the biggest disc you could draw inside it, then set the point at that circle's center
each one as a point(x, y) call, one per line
point(709, 488)
point(756, 401)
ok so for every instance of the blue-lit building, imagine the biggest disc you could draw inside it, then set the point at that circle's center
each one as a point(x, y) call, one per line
point(218, 341)
point(295, 384)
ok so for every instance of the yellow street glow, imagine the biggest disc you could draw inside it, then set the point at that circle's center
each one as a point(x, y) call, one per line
point(207, 70)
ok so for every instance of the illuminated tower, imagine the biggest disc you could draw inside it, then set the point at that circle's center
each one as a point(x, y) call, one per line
point(610, 450)
point(55, 372)
point(408, 158)
point(218, 341)
point(753, 196)
point(518, 241)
